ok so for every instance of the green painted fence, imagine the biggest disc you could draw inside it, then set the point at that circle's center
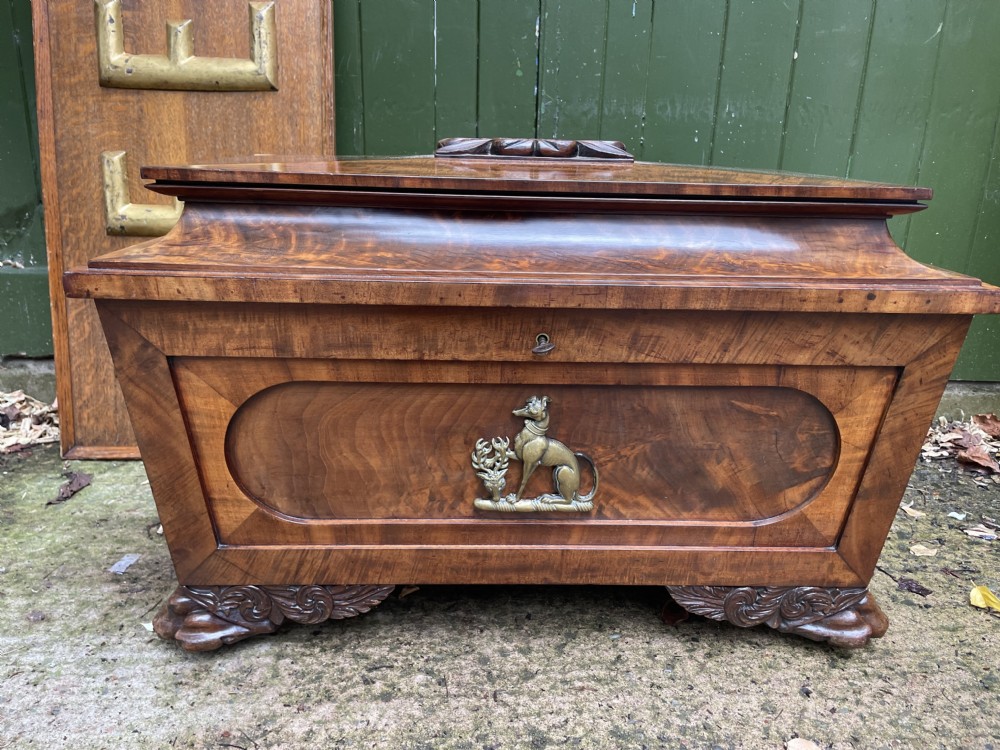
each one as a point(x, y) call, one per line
point(895, 90)
point(25, 325)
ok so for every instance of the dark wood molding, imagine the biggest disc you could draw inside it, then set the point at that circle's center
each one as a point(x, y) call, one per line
point(204, 618)
point(536, 148)
point(841, 617)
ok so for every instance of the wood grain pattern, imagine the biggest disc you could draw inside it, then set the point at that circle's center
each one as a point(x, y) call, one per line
point(221, 386)
point(617, 177)
point(78, 119)
point(698, 454)
point(611, 258)
point(746, 382)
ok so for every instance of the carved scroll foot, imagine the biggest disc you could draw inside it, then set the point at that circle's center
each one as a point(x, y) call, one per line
point(841, 617)
point(204, 618)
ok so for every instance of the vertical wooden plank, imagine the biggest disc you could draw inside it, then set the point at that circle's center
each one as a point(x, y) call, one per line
point(896, 94)
point(753, 90)
point(508, 67)
point(24, 301)
point(348, 87)
point(961, 229)
point(20, 191)
point(21, 18)
point(960, 133)
point(980, 358)
point(626, 67)
point(456, 68)
point(571, 75)
point(397, 70)
point(823, 101)
point(681, 90)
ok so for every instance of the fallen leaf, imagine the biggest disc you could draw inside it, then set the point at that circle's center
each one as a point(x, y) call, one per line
point(75, 481)
point(26, 421)
point(948, 437)
point(983, 598)
point(403, 592)
point(977, 455)
point(982, 532)
point(988, 423)
point(908, 510)
point(921, 550)
point(932, 453)
point(908, 584)
point(957, 516)
point(967, 439)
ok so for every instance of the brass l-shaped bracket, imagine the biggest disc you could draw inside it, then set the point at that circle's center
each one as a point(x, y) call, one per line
point(180, 69)
point(121, 216)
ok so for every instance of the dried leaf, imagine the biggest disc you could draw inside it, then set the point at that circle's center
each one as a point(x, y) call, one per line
point(949, 436)
point(977, 455)
point(25, 421)
point(988, 423)
point(983, 598)
point(75, 481)
point(982, 532)
point(908, 510)
point(908, 584)
point(957, 516)
point(921, 550)
point(967, 439)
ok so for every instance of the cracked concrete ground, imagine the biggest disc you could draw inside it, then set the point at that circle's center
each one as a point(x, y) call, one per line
point(477, 667)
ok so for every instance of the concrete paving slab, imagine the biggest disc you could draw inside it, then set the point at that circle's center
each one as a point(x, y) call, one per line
point(475, 667)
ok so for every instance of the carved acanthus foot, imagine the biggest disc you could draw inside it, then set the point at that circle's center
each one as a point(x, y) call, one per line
point(204, 618)
point(841, 617)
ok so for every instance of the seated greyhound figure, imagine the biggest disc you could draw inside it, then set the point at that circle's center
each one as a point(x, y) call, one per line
point(533, 449)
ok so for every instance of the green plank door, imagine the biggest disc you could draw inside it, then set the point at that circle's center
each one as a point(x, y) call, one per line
point(758, 54)
point(25, 323)
point(508, 68)
point(682, 89)
point(958, 161)
point(626, 72)
point(823, 98)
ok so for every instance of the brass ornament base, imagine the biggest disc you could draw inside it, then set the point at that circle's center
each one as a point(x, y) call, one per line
point(541, 504)
point(204, 618)
point(848, 618)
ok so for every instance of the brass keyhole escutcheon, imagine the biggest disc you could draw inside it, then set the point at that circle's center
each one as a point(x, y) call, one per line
point(543, 344)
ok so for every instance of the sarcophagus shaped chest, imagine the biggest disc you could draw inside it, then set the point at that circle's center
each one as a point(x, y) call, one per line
point(504, 366)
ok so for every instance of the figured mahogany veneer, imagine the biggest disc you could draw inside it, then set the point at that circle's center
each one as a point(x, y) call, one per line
point(309, 359)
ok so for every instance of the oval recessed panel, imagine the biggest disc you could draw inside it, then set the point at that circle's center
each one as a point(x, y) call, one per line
point(320, 450)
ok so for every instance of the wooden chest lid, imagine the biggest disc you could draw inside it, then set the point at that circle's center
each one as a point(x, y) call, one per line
point(541, 177)
point(514, 232)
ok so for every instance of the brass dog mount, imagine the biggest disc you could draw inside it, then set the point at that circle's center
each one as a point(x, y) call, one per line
point(533, 448)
